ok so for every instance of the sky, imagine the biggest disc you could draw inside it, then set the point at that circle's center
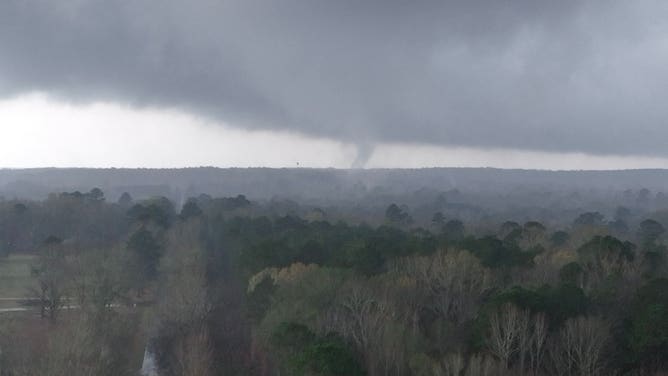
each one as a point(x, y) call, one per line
point(392, 83)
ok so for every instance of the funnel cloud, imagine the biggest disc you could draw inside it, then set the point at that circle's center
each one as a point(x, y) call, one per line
point(364, 154)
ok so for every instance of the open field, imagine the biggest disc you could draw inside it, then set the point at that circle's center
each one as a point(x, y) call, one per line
point(15, 279)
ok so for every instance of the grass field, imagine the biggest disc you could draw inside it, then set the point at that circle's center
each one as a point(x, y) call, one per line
point(15, 279)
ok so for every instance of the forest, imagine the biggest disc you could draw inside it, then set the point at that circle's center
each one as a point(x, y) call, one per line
point(424, 285)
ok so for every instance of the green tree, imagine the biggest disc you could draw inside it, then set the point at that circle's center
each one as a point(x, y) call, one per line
point(397, 216)
point(454, 230)
point(533, 233)
point(647, 332)
point(190, 210)
point(158, 211)
point(96, 195)
point(438, 220)
point(605, 257)
point(329, 356)
point(650, 231)
point(145, 253)
point(559, 238)
point(507, 228)
point(98, 279)
point(125, 200)
point(589, 219)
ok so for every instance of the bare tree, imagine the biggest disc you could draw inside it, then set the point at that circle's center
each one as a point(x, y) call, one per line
point(531, 337)
point(537, 343)
point(96, 278)
point(184, 306)
point(453, 364)
point(508, 331)
point(578, 348)
point(194, 354)
point(483, 365)
point(545, 269)
point(86, 347)
point(524, 338)
point(455, 279)
point(184, 289)
point(366, 311)
point(365, 318)
point(50, 270)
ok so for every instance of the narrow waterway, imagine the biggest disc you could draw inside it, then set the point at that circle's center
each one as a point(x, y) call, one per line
point(149, 366)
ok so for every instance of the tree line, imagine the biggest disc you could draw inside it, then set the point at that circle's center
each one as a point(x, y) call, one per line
point(229, 286)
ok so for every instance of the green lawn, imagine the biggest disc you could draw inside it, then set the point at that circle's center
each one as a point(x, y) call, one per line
point(15, 279)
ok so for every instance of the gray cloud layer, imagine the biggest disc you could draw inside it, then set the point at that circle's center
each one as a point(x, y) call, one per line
point(534, 74)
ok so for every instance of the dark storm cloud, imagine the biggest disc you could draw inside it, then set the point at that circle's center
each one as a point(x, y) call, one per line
point(545, 75)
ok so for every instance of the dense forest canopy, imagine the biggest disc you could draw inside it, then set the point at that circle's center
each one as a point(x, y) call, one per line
point(428, 282)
